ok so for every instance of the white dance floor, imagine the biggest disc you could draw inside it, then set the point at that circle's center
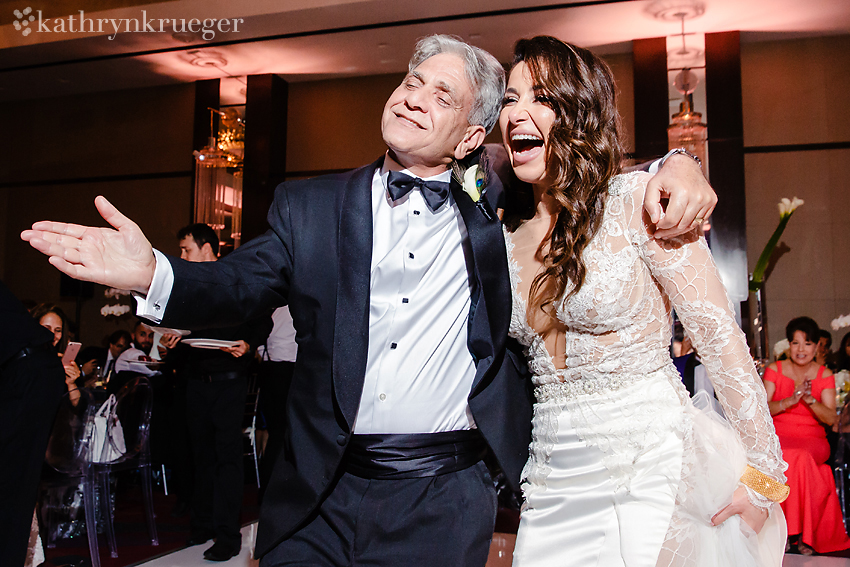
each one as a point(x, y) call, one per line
point(194, 556)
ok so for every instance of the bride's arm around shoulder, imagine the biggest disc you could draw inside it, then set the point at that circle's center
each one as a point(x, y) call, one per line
point(688, 276)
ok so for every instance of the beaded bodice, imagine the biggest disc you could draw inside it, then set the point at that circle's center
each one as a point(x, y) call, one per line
point(617, 328)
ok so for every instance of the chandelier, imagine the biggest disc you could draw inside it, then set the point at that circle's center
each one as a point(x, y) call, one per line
point(218, 178)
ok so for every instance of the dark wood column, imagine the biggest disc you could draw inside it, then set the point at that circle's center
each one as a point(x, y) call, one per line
point(206, 97)
point(649, 60)
point(265, 149)
point(726, 154)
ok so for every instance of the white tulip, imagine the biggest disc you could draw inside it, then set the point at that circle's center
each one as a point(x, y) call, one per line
point(788, 206)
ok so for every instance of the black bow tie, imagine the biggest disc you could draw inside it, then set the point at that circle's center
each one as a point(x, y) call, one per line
point(435, 193)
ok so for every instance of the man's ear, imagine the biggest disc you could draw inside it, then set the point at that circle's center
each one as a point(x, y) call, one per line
point(473, 138)
point(207, 252)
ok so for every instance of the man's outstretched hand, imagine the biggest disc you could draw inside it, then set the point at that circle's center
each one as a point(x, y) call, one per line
point(121, 258)
point(690, 198)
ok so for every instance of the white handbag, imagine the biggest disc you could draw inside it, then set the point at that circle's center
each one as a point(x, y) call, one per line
point(102, 419)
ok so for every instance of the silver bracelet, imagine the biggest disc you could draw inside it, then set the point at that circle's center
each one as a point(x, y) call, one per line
point(682, 151)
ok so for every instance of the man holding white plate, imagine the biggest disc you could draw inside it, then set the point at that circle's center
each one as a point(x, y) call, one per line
point(142, 357)
point(216, 368)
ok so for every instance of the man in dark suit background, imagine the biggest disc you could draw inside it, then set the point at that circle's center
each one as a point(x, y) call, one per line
point(215, 395)
point(32, 382)
point(400, 296)
point(92, 357)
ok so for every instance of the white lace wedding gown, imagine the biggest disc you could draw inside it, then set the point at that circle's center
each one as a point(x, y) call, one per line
point(623, 469)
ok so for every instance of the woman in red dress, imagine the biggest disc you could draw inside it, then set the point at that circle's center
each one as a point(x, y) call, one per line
point(801, 396)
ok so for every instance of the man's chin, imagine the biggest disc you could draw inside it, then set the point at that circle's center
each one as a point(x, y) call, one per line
point(404, 154)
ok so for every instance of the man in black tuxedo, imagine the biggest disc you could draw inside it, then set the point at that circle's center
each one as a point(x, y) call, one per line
point(398, 286)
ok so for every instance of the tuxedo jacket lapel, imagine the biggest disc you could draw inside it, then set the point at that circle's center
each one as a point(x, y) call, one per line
point(351, 337)
point(490, 316)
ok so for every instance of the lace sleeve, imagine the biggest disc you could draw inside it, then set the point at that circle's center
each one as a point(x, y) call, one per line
point(688, 276)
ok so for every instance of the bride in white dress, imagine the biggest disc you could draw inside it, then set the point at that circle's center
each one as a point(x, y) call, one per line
point(623, 470)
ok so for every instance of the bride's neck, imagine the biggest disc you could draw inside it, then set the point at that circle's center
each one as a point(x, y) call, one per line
point(545, 205)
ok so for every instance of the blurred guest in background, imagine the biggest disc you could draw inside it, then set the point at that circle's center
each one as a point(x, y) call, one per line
point(801, 396)
point(31, 379)
point(823, 355)
point(91, 358)
point(278, 364)
point(53, 319)
point(842, 355)
point(139, 354)
point(216, 392)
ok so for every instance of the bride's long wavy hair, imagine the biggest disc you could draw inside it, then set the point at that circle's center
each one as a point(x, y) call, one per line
point(584, 152)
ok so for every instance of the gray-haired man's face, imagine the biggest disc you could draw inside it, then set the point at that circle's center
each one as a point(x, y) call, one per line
point(425, 121)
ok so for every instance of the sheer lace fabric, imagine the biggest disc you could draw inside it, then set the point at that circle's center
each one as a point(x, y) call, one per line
point(615, 334)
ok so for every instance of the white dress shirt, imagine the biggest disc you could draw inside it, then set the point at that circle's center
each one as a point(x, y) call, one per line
point(419, 371)
point(281, 341)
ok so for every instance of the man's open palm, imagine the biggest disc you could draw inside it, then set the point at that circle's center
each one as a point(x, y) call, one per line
point(121, 258)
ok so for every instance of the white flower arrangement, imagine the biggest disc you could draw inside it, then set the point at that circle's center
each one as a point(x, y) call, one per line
point(780, 348)
point(840, 322)
point(119, 309)
point(113, 292)
point(842, 381)
point(114, 310)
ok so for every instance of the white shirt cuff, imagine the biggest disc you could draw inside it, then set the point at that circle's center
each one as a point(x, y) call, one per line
point(152, 306)
point(654, 166)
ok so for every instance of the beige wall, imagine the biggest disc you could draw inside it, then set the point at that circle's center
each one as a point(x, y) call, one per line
point(798, 92)
point(137, 132)
point(336, 124)
point(623, 69)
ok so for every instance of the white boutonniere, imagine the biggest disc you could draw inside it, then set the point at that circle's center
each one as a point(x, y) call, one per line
point(473, 182)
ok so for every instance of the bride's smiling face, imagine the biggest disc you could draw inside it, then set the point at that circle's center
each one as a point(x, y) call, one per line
point(525, 122)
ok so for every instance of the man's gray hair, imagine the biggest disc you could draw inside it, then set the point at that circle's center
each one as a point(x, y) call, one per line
point(483, 71)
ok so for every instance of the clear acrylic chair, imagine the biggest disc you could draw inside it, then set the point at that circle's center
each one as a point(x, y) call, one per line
point(127, 447)
point(249, 423)
point(74, 453)
point(68, 452)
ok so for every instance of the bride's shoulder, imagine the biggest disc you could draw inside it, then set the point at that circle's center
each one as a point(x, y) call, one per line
point(629, 184)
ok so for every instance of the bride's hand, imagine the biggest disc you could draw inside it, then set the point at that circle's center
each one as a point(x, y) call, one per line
point(754, 516)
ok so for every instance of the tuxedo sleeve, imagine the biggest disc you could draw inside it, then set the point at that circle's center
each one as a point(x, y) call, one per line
point(246, 284)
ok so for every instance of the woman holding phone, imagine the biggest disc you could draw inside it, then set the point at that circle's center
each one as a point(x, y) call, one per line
point(53, 319)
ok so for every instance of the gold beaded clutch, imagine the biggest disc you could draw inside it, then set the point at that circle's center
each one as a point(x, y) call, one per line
point(765, 485)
